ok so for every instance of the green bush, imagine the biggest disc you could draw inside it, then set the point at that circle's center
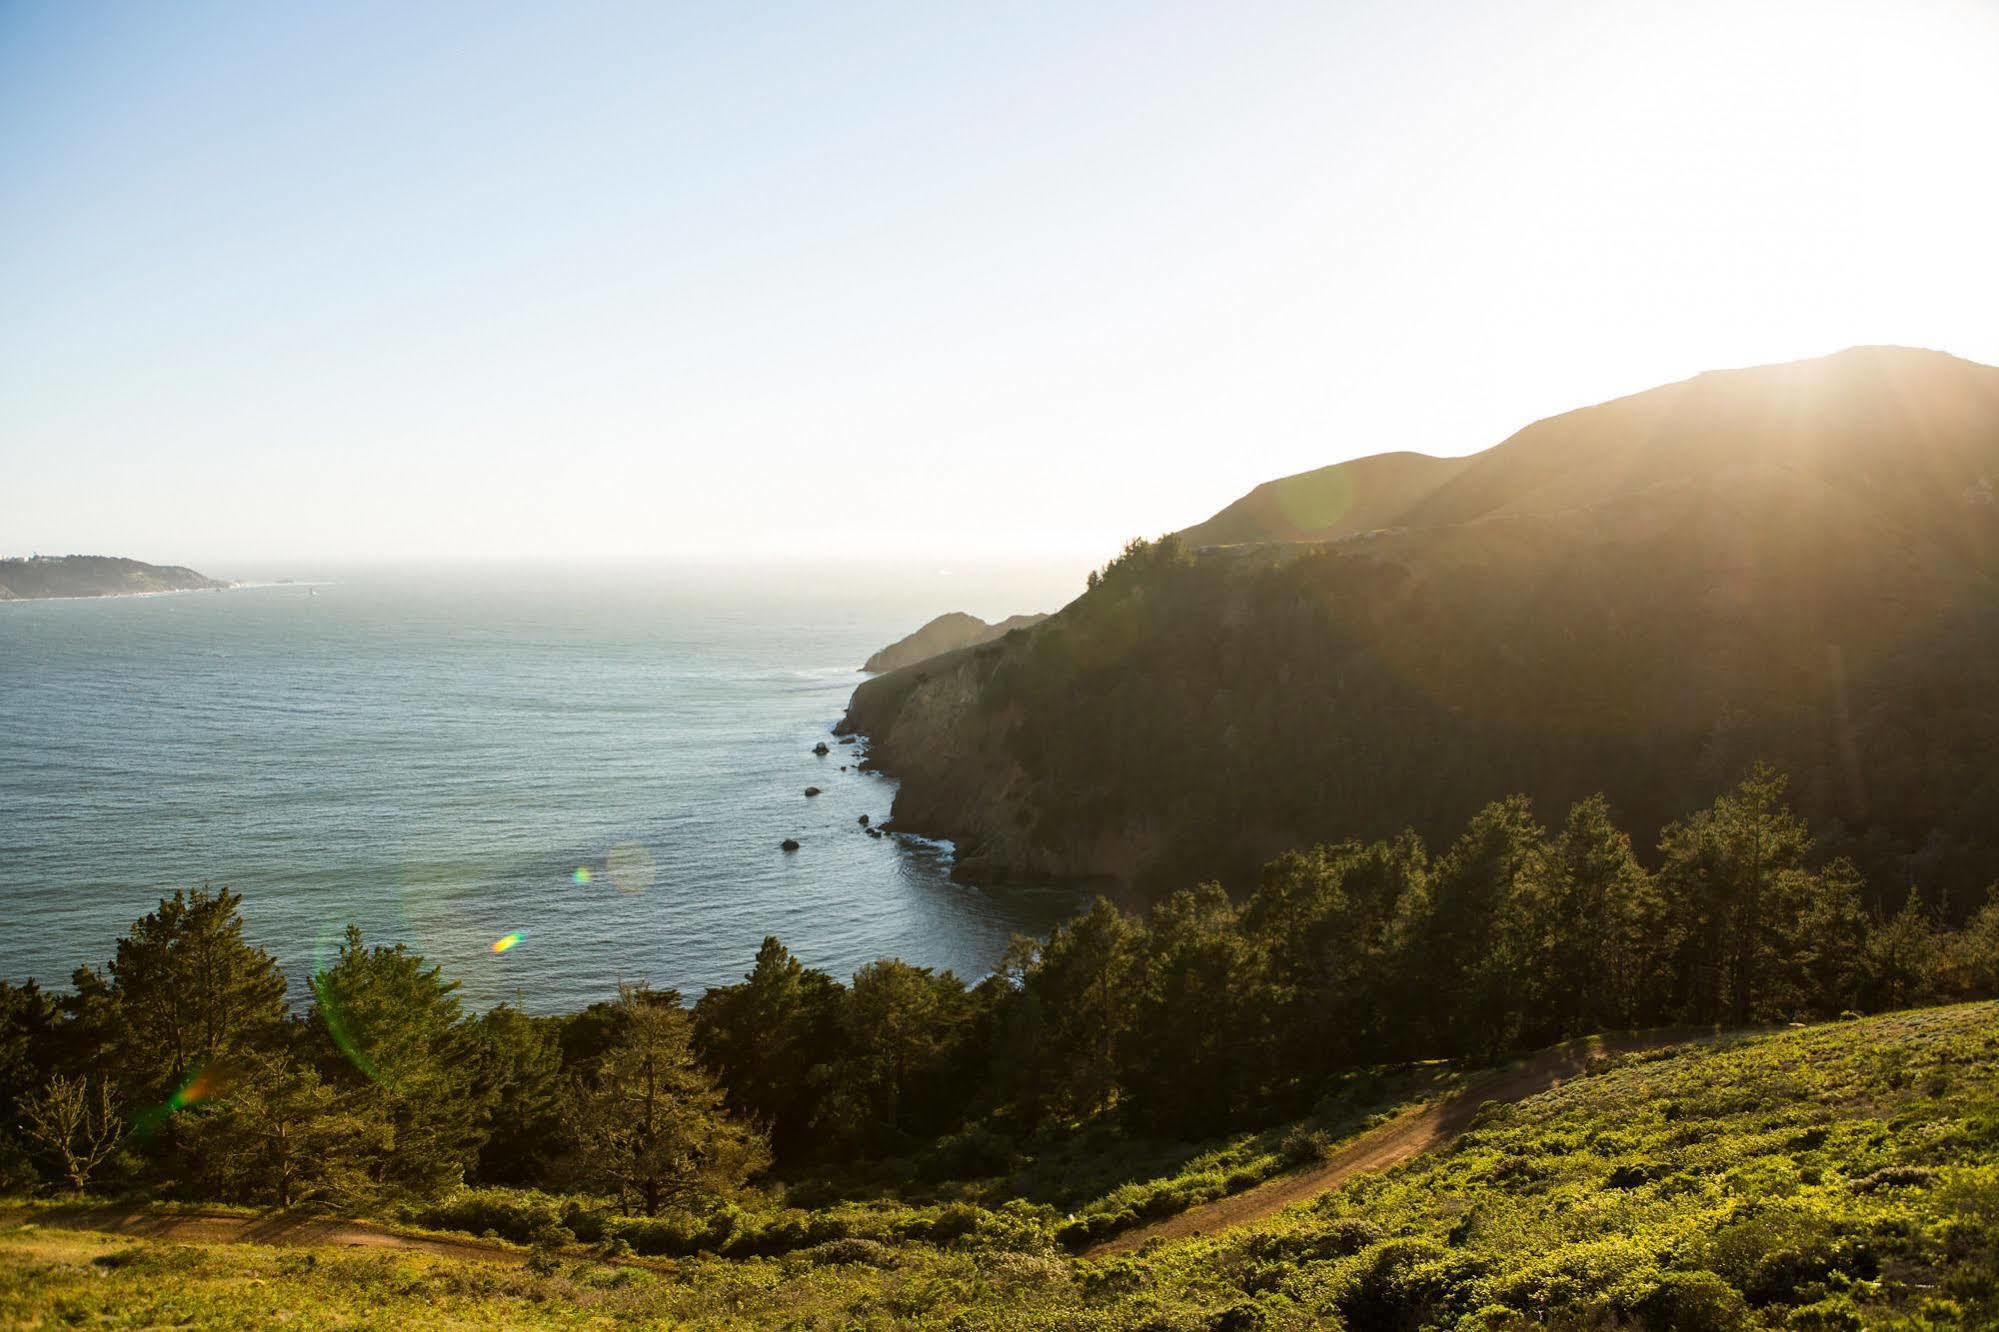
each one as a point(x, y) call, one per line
point(520, 1215)
point(842, 1252)
point(1686, 1302)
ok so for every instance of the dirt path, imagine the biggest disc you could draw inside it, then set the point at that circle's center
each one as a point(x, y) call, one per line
point(1410, 1134)
point(1415, 1131)
point(283, 1230)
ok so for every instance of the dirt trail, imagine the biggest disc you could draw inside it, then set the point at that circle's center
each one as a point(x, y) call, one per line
point(283, 1230)
point(1409, 1134)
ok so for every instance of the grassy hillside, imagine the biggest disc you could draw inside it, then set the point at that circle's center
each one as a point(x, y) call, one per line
point(1843, 1176)
point(1795, 563)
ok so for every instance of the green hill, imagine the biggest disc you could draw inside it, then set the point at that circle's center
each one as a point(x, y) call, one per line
point(1839, 1176)
point(93, 576)
point(1795, 562)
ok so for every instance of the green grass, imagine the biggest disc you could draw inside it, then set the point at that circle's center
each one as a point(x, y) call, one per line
point(1845, 1176)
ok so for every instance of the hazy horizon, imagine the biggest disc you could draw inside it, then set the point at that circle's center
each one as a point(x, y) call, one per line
point(696, 284)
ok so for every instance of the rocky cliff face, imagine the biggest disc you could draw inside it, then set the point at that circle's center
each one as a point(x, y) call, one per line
point(1798, 563)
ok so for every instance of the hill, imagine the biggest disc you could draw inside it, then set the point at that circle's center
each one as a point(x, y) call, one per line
point(1343, 500)
point(93, 576)
point(1840, 1176)
point(1794, 562)
point(946, 633)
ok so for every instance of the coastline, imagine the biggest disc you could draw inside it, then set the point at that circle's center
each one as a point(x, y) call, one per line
point(166, 592)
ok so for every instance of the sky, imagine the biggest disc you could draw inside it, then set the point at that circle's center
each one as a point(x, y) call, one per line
point(827, 282)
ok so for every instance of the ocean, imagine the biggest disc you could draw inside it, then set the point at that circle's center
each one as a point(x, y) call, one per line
point(602, 761)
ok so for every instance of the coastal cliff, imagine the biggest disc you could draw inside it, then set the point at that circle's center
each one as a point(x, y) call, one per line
point(1797, 563)
point(44, 576)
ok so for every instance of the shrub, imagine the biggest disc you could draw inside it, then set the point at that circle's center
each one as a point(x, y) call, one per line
point(1407, 1283)
point(1242, 1316)
point(1306, 1146)
point(516, 1214)
point(1685, 1302)
point(973, 1152)
point(843, 1252)
point(1631, 1174)
point(1337, 1239)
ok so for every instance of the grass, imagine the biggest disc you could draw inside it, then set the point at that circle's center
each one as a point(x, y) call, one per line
point(1845, 1176)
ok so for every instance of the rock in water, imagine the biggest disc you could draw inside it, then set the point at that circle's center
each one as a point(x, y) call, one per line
point(811, 790)
point(864, 820)
point(821, 750)
point(789, 844)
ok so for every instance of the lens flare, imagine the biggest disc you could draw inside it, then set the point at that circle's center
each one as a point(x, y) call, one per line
point(582, 874)
point(506, 941)
point(202, 1086)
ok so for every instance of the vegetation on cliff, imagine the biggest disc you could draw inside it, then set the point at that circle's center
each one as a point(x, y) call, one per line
point(1798, 563)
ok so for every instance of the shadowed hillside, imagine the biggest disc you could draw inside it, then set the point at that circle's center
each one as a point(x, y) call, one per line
point(1792, 562)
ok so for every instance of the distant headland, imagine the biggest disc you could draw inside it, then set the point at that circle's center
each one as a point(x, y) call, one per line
point(43, 576)
point(946, 633)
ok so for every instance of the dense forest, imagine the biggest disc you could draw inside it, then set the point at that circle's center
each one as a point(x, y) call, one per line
point(177, 1071)
point(1798, 563)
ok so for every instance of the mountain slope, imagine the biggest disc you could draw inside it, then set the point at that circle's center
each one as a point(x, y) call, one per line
point(1797, 562)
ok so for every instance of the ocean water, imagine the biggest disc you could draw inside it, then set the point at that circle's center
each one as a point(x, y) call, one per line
point(602, 761)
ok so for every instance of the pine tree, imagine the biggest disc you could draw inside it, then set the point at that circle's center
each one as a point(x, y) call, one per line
point(521, 1080)
point(189, 991)
point(296, 1137)
point(1591, 909)
point(1472, 941)
point(404, 1046)
point(1189, 1058)
point(1718, 875)
point(1076, 992)
point(769, 1040)
point(649, 1122)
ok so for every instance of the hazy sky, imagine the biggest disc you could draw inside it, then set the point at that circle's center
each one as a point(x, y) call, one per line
point(825, 280)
